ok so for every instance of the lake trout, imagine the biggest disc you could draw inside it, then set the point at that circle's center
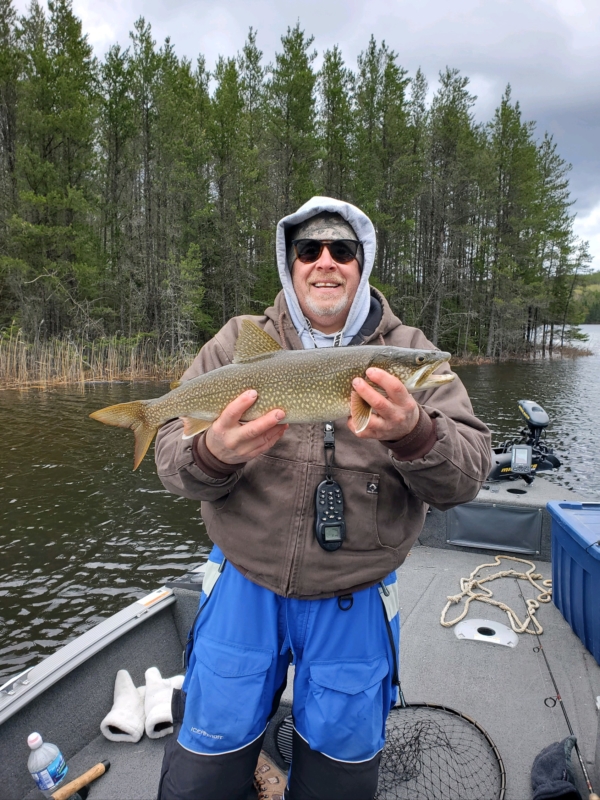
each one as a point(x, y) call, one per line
point(309, 385)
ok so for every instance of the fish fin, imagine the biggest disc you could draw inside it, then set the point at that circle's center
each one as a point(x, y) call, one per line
point(360, 410)
point(174, 385)
point(192, 426)
point(123, 415)
point(130, 415)
point(252, 341)
point(143, 439)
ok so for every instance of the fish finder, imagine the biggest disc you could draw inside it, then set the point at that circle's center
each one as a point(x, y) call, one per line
point(521, 459)
point(528, 455)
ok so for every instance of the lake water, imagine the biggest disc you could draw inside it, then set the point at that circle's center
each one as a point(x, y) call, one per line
point(82, 535)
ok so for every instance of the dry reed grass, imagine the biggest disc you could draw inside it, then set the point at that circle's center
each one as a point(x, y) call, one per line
point(60, 361)
point(566, 351)
point(67, 361)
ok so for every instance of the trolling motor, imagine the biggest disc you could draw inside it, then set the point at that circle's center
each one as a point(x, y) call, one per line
point(528, 455)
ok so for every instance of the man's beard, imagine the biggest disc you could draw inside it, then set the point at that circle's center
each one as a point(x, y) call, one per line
point(326, 311)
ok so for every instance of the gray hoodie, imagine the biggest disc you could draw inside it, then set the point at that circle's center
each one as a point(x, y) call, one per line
point(363, 227)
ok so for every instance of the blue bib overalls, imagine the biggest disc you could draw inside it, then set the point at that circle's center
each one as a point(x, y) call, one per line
point(345, 652)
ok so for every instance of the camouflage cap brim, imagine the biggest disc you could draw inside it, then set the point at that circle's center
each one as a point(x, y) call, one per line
point(326, 226)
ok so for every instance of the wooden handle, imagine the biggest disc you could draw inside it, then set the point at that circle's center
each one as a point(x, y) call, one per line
point(70, 788)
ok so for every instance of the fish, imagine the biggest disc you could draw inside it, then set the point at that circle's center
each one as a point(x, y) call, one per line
point(309, 385)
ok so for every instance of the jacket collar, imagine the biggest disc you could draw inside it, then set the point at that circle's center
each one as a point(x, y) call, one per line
point(279, 314)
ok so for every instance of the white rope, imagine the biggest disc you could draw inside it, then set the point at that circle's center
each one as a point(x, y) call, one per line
point(472, 588)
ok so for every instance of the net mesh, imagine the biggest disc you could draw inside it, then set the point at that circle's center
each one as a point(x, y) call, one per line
point(433, 752)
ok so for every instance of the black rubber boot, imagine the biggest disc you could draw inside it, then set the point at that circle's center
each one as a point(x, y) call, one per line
point(316, 777)
point(189, 776)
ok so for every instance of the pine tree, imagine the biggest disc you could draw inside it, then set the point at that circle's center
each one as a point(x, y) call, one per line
point(145, 66)
point(52, 235)
point(292, 121)
point(560, 259)
point(181, 188)
point(383, 184)
point(335, 124)
point(512, 240)
point(256, 193)
point(10, 66)
point(118, 131)
point(227, 143)
point(446, 200)
point(411, 282)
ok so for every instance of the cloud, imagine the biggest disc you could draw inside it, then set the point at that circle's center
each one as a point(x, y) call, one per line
point(587, 227)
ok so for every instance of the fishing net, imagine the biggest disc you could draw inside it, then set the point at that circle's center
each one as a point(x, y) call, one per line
point(431, 752)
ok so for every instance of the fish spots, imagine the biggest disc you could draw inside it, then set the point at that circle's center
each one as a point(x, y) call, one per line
point(310, 386)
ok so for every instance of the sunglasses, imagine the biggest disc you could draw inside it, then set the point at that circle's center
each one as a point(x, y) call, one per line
point(342, 251)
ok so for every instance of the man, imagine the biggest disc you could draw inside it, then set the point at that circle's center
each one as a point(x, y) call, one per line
point(272, 594)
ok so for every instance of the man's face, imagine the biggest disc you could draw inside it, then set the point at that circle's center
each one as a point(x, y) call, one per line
point(325, 290)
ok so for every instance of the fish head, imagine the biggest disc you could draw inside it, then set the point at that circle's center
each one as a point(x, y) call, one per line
point(413, 367)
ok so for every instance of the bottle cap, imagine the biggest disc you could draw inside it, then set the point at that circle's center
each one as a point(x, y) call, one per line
point(34, 740)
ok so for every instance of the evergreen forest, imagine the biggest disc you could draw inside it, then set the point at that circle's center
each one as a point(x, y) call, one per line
point(139, 193)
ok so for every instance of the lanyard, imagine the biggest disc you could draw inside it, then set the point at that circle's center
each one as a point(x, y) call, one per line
point(337, 337)
point(328, 432)
point(329, 445)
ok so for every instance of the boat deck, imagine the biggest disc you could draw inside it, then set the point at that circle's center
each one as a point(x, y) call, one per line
point(502, 688)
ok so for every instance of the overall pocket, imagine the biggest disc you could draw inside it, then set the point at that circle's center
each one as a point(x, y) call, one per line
point(345, 718)
point(226, 706)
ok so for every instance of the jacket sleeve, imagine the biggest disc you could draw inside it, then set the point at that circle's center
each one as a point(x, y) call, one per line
point(453, 471)
point(174, 461)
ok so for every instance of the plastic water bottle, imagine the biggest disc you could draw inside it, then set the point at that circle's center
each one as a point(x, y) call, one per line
point(46, 764)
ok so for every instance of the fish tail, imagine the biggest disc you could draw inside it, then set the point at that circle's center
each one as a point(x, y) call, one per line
point(130, 415)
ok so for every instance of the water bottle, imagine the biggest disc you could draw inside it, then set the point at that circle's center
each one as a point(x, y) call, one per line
point(46, 764)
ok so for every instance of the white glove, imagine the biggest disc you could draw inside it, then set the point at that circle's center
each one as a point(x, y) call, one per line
point(159, 719)
point(125, 721)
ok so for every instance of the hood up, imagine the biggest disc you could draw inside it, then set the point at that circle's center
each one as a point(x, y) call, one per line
point(365, 232)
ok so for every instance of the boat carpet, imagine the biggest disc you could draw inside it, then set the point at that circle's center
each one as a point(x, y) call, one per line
point(502, 688)
point(134, 769)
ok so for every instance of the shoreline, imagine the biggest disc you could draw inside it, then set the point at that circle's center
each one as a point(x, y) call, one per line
point(558, 352)
point(70, 362)
point(163, 371)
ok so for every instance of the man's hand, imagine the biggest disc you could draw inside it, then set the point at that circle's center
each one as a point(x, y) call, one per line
point(233, 443)
point(395, 415)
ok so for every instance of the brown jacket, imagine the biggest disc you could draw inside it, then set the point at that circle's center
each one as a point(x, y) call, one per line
point(262, 516)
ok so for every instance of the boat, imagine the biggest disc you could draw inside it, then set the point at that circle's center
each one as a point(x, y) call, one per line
point(505, 690)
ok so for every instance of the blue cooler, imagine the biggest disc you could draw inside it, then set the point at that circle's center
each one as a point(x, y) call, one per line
point(576, 568)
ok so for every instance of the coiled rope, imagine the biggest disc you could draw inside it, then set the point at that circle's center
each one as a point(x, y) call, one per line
point(473, 589)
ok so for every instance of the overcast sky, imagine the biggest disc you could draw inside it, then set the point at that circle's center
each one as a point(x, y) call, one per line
point(548, 50)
